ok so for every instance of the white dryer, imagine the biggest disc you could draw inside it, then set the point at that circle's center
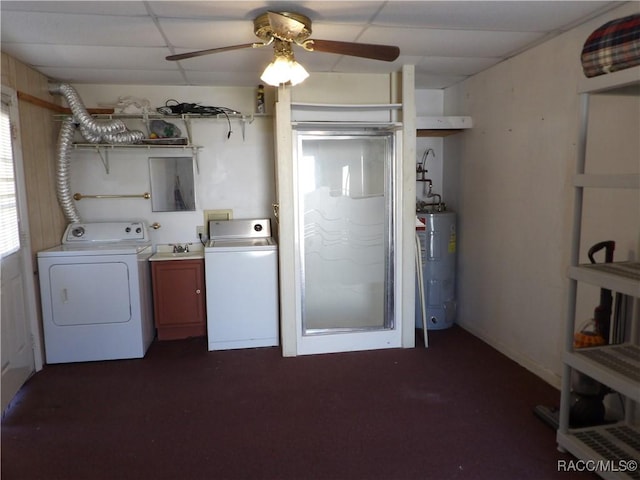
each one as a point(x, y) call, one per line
point(96, 293)
point(241, 270)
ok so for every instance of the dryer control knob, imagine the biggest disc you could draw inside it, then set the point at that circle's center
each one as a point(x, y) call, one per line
point(257, 227)
point(128, 229)
point(77, 232)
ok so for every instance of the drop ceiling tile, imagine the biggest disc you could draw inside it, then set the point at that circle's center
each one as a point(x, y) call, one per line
point(77, 56)
point(222, 79)
point(428, 80)
point(245, 60)
point(52, 34)
point(336, 31)
point(202, 34)
point(514, 16)
point(331, 11)
point(450, 43)
point(80, 29)
point(455, 65)
point(347, 64)
point(114, 76)
point(78, 7)
point(427, 66)
point(358, 12)
point(215, 10)
point(317, 61)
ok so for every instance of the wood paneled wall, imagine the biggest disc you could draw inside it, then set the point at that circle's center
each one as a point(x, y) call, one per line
point(39, 136)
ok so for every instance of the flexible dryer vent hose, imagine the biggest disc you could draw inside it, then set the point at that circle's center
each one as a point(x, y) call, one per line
point(110, 131)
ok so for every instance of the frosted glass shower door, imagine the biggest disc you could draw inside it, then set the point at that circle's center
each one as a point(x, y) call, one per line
point(345, 231)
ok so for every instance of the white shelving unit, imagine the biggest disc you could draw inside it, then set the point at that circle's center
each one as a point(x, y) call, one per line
point(616, 366)
point(186, 118)
point(103, 149)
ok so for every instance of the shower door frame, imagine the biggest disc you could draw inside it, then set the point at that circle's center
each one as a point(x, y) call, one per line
point(353, 339)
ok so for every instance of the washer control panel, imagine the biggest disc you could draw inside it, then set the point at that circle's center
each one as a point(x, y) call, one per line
point(107, 232)
point(249, 228)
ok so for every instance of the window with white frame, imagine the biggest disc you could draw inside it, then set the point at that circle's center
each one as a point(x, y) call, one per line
point(9, 237)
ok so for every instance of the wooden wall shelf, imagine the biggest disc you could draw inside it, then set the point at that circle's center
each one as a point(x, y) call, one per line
point(441, 126)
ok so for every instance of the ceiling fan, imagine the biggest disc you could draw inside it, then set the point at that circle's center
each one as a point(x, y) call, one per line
point(283, 29)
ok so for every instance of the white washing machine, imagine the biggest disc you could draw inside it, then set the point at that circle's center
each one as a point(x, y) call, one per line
point(241, 269)
point(96, 293)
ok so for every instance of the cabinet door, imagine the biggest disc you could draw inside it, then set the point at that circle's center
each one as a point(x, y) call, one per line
point(178, 293)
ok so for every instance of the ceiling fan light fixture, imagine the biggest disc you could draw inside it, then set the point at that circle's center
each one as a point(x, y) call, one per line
point(284, 29)
point(283, 68)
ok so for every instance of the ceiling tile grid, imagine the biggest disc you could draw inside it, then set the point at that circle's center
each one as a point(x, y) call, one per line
point(125, 42)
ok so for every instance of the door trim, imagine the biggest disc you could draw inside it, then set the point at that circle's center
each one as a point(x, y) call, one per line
point(402, 90)
point(352, 340)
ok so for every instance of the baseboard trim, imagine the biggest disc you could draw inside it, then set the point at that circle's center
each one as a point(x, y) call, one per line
point(548, 376)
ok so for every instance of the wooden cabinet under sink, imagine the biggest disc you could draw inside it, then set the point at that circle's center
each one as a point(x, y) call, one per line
point(179, 299)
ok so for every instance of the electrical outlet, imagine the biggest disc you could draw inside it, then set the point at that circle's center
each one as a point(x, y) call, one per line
point(200, 231)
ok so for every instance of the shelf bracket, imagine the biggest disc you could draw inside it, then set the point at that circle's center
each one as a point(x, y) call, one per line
point(147, 121)
point(104, 158)
point(244, 121)
point(195, 156)
point(187, 124)
point(103, 154)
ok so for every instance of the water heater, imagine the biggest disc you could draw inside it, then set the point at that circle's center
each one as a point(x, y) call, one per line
point(438, 248)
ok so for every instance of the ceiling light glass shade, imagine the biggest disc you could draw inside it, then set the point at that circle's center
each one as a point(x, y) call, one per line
point(298, 73)
point(284, 67)
point(283, 70)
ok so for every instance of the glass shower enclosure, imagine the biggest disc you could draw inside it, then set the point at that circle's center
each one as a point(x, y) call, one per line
point(345, 231)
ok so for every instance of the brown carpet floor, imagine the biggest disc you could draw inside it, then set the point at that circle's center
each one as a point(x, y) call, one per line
point(457, 410)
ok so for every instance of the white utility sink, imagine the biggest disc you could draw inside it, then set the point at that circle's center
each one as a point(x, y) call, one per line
point(165, 252)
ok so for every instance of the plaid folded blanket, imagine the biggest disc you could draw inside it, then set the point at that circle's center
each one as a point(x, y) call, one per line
point(614, 46)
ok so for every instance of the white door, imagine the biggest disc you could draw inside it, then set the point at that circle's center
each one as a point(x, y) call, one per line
point(17, 299)
point(346, 232)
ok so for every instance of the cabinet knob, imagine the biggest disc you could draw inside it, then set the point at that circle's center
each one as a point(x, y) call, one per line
point(198, 291)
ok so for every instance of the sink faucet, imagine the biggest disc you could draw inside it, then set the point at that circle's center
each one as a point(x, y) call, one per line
point(180, 248)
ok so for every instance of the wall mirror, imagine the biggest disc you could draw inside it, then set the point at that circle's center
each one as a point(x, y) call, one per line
point(172, 184)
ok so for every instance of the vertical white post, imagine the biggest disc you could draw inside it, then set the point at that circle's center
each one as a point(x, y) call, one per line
point(286, 221)
point(407, 177)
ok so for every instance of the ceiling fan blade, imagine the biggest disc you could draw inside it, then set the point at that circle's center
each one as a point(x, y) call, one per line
point(386, 53)
point(285, 27)
point(199, 53)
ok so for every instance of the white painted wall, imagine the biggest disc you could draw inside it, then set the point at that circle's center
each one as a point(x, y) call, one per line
point(235, 173)
point(430, 103)
point(515, 199)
